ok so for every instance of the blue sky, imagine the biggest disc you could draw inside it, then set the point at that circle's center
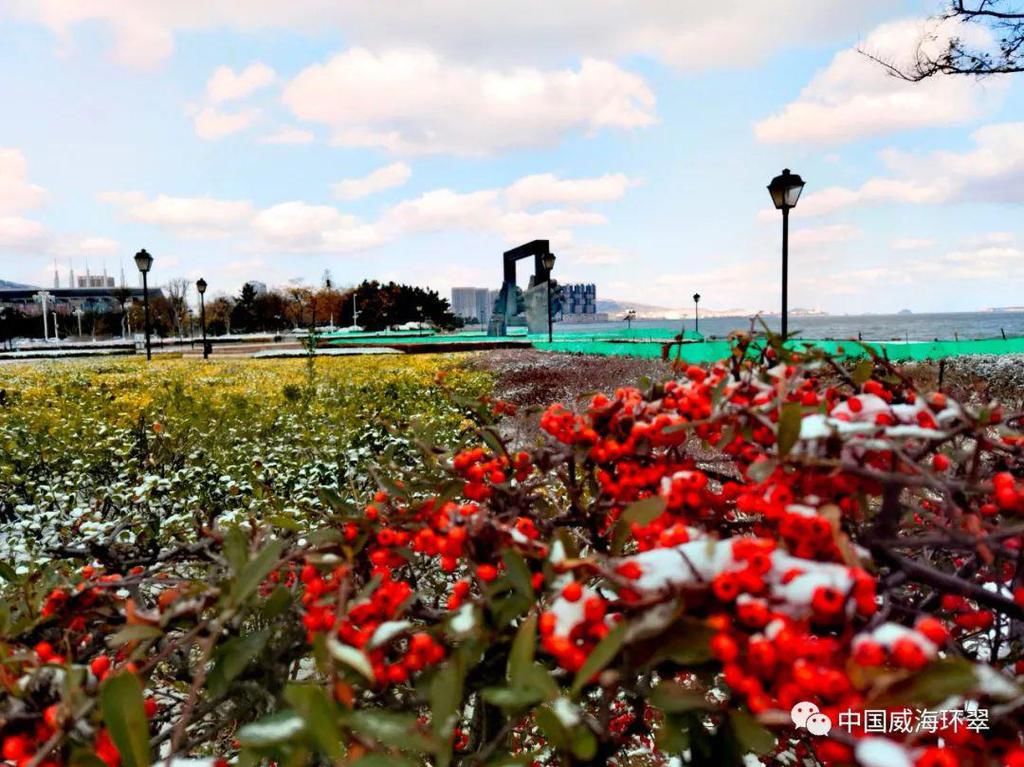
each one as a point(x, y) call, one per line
point(273, 140)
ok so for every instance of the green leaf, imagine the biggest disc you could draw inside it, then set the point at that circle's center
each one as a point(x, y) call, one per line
point(390, 728)
point(255, 570)
point(583, 744)
point(275, 728)
point(644, 511)
point(384, 760)
point(554, 732)
point(332, 499)
point(761, 469)
point(320, 715)
point(935, 683)
point(279, 601)
point(513, 697)
point(125, 718)
point(673, 736)
point(511, 607)
point(537, 677)
point(284, 522)
point(600, 656)
point(83, 757)
point(790, 418)
point(686, 642)
point(231, 659)
point(445, 702)
point(518, 573)
point(134, 633)
point(673, 698)
point(236, 548)
point(862, 371)
point(352, 657)
point(750, 734)
point(7, 572)
point(520, 658)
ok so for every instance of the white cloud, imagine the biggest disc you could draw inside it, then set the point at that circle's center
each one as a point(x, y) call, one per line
point(186, 216)
point(596, 255)
point(854, 97)
point(386, 177)
point(16, 192)
point(289, 135)
point(211, 123)
point(555, 224)
point(227, 85)
point(445, 209)
point(911, 243)
point(487, 211)
point(817, 236)
point(21, 234)
point(297, 226)
point(688, 35)
point(301, 227)
point(548, 188)
point(992, 171)
point(438, 106)
point(100, 246)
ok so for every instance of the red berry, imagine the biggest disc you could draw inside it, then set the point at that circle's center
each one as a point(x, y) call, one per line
point(487, 573)
point(100, 665)
point(572, 592)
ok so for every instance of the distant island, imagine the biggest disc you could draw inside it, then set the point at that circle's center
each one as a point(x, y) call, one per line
point(904, 311)
point(616, 309)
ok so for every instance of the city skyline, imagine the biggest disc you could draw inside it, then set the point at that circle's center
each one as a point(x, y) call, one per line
point(246, 145)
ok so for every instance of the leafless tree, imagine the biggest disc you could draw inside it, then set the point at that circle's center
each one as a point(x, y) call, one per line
point(177, 300)
point(961, 54)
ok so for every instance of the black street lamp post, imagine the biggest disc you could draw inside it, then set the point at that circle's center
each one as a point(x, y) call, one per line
point(785, 191)
point(201, 288)
point(144, 262)
point(549, 264)
point(696, 317)
point(419, 314)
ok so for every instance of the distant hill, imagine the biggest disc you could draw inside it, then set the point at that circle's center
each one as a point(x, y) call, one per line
point(616, 309)
point(5, 285)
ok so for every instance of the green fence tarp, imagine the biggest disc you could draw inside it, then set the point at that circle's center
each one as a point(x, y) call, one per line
point(650, 342)
point(711, 351)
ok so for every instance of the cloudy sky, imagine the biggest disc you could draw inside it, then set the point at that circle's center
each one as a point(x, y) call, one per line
point(417, 140)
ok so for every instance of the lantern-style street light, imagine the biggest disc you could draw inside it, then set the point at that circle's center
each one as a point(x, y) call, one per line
point(549, 264)
point(696, 317)
point(201, 289)
point(144, 262)
point(785, 191)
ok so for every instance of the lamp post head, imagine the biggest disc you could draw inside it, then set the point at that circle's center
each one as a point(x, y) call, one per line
point(201, 285)
point(549, 261)
point(143, 261)
point(785, 190)
point(696, 297)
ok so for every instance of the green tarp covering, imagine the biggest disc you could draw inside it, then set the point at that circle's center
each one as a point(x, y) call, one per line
point(649, 342)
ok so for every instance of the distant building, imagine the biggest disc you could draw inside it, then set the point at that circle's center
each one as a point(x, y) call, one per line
point(259, 288)
point(473, 304)
point(94, 281)
point(579, 298)
point(67, 300)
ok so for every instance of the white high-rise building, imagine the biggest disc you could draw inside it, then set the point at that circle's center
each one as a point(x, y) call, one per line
point(472, 304)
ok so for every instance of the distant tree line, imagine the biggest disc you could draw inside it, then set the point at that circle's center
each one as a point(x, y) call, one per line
point(173, 312)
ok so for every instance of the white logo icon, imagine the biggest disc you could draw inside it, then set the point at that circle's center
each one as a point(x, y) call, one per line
point(807, 716)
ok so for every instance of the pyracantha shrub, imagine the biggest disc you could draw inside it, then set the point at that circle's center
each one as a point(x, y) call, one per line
point(768, 557)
